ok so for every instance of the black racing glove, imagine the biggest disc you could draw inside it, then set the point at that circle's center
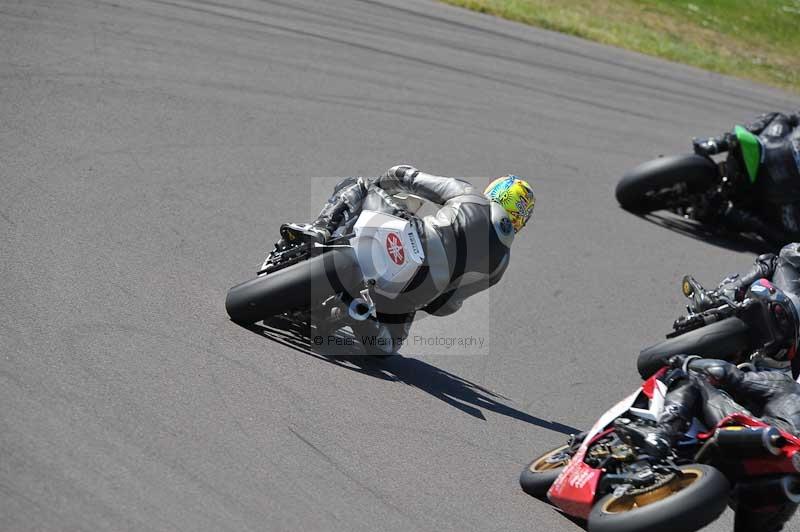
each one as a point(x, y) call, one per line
point(679, 361)
point(716, 371)
point(736, 286)
point(711, 145)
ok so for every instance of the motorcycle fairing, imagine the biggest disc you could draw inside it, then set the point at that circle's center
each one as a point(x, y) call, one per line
point(656, 393)
point(750, 147)
point(575, 489)
point(389, 251)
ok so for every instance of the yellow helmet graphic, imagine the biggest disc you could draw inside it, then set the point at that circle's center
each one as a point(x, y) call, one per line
point(516, 196)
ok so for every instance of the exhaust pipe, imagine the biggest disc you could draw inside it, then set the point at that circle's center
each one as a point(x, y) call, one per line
point(747, 443)
point(359, 309)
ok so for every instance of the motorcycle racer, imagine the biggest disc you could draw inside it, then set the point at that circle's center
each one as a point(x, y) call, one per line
point(777, 180)
point(710, 390)
point(466, 242)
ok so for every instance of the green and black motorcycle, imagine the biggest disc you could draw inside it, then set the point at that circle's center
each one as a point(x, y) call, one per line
point(740, 193)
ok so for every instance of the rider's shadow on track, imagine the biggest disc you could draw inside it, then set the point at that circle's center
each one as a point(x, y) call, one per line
point(460, 393)
point(708, 234)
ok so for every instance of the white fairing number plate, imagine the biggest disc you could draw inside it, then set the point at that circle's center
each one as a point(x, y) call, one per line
point(389, 251)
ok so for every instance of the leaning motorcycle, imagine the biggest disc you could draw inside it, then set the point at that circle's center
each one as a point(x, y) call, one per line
point(718, 326)
point(606, 476)
point(736, 193)
point(373, 255)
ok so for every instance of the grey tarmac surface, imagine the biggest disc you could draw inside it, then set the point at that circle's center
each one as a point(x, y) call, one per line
point(150, 148)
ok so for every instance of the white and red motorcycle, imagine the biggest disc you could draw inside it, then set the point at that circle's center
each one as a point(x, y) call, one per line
point(605, 477)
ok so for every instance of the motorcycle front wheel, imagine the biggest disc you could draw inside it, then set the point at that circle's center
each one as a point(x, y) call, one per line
point(724, 339)
point(540, 474)
point(650, 186)
point(686, 503)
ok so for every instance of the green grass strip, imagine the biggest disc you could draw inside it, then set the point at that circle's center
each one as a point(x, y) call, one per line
point(754, 39)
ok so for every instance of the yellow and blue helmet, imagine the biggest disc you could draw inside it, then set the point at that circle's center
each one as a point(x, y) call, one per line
point(516, 196)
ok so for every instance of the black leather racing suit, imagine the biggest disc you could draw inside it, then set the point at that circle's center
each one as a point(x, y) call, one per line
point(714, 389)
point(770, 394)
point(762, 392)
point(466, 242)
point(721, 388)
point(776, 190)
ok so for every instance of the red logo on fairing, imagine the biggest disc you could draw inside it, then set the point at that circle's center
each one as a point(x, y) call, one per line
point(394, 247)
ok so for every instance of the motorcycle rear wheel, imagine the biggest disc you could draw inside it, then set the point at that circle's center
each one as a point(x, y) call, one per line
point(300, 286)
point(689, 502)
point(641, 189)
point(748, 519)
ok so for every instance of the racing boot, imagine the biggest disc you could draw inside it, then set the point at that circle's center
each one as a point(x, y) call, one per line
point(659, 440)
point(303, 233)
point(655, 441)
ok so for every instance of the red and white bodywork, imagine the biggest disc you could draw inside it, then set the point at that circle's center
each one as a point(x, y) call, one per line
point(575, 490)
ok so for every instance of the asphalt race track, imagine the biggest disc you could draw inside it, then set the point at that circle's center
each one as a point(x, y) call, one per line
point(149, 150)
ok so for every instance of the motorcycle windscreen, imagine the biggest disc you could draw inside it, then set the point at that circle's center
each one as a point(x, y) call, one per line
point(750, 147)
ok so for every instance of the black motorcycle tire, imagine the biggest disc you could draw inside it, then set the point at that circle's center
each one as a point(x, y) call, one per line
point(685, 510)
point(723, 340)
point(297, 287)
point(636, 190)
point(749, 519)
point(536, 480)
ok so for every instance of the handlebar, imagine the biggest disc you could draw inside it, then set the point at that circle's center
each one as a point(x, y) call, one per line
point(746, 280)
point(729, 290)
point(693, 321)
point(701, 319)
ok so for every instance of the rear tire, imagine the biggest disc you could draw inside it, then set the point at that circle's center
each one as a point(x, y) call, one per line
point(636, 190)
point(540, 474)
point(297, 287)
point(748, 519)
point(691, 503)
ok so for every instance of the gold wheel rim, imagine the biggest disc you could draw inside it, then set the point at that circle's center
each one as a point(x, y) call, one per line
point(541, 464)
point(627, 503)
